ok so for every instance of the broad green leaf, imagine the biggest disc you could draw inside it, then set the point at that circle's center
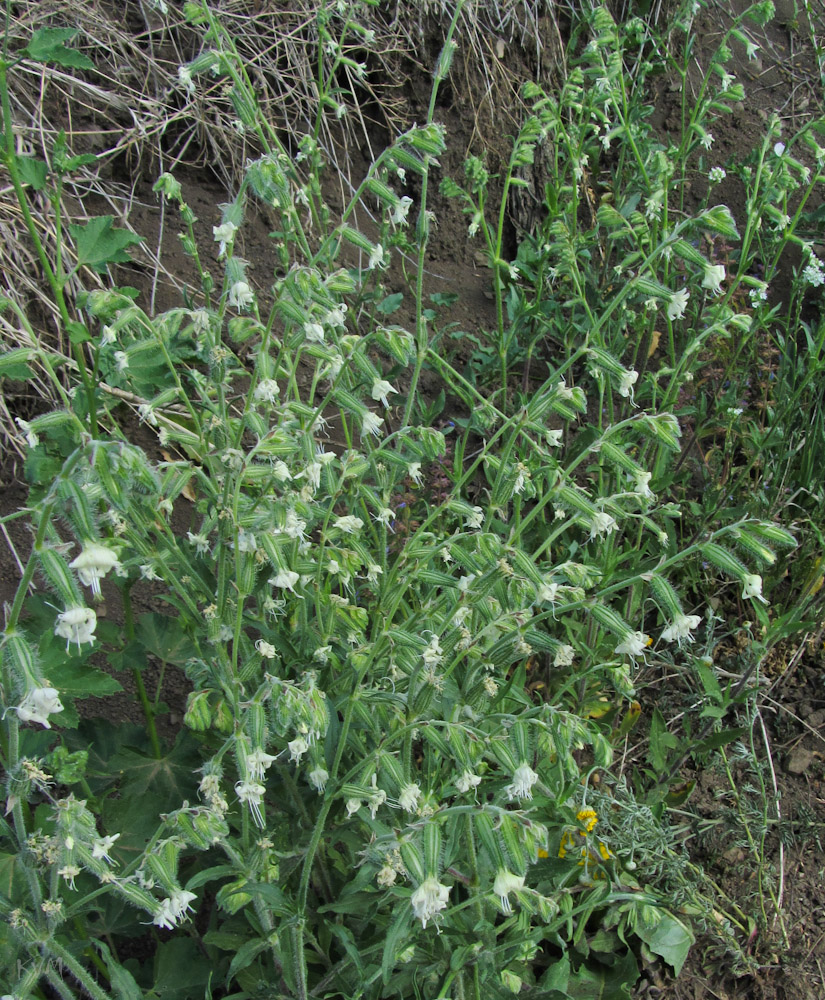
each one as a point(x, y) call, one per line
point(32, 171)
point(245, 956)
point(100, 244)
point(670, 938)
point(47, 45)
point(14, 364)
point(165, 638)
point(181, 972)
point(602, 982)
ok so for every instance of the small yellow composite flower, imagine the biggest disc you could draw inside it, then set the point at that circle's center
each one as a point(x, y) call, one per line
point(588, 818)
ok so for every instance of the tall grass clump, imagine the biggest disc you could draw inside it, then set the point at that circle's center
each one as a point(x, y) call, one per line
point(412, 645)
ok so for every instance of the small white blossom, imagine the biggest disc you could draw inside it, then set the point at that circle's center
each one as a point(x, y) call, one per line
point(376, 257)
point(602, 524)
point(252, 794)
point(348, 523)
point(266, 390)
point(779, 148)
point(716, 174)
point(554, 438)
point(381, 389)
point(185, 80)
point(401, 211)
point(408, 799)
point(121, 360)
point(314, 333)
point(318, 778)
point(564, 656)
point(266, 649)
point(707, 140)
point(201, 542)
point(370, 424)
point(547, 593)
point(386, 876)
point(714, 276)
point(223, 235)
point(633, 645)
point(32, 440)
point(678, 304)
point(681, 627)
point(505, 883)
point(102, 846)
point(38, 705)
point(626, 383)
point(429, 899)
point(297, 748)
point(259, 762)
point(523, 780)
point(241, 296)
point(467, 781)
point(752, 587)
point(475, 519)
point(285, 579)
point(353, 805)
point(93, 563)
point(76, 625)
point(642, 487)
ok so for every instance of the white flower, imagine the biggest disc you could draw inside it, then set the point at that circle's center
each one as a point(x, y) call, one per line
point(522, 477)
point(185, 80)
point(348, 523)
point(32, 440)
point(751, 49)
point(252, 793)
point(121, 360)
point(318, 778)
point(381, 389)
point(259, 763)
point(297, 748)
point(475, 222)
point(633, 645)
point(475, 519)
point(377, 798)
point(353, 805)
point(523, 780)
point(779, 148)
point(547, 593)
point(678, 304)
point(642, 487)
point(752, 587)
point(201, 542)
point(429, 899)
point(467, 781)
point(172, 910)
point(222, 235)
point(554, 438)
point(266, 649)
point(408, 799)
point(93, 563)
point(714, 276)
point(681, 627)
point(246, 541)
point(336, 317)
point(401, 210)
point(76, 625)
point(707, 140)
point(376, 257)
point(414, 472)
point(70, 873)
point(285, 579)
point(314, 333)
point(626, 383)
point(564, 656)
point(505, 883)
point(38, 705)
point(102, 846)
point(370, 424)
point(716, 174)
point(602, 524)
point(385, 516)
point(241, 295)
point(266, 390)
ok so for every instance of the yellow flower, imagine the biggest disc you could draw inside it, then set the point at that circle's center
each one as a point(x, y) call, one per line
point(588, 818)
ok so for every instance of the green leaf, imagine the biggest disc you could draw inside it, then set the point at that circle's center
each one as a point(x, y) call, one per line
point(389, 305)
point(245, 956)
point(48, 46)
point(32, 171)
point(600, 982)
point(100, 244)
point(121, 981)
point(78, 332)
point(182, 972)
point(14, 364)
point(165, 638)
point(396, 936)
point(660, 741)
point(669, 938)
